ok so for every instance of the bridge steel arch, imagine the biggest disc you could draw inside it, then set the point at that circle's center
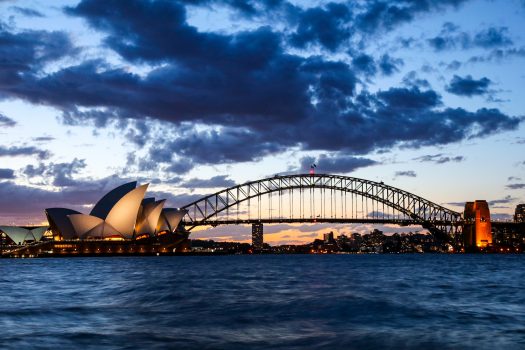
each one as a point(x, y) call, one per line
point(436, 218)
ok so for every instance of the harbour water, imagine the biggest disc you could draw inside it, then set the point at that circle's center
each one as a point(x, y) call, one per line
point(264, 302)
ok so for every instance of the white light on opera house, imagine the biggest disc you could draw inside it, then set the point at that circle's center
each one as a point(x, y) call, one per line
point(122, 214)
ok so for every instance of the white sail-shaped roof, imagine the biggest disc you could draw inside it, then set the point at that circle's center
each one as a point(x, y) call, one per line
point(149, 217)
point(83, 223)
point(123, 216)
point(60, 223)
point(170, 219)
point(17, 234)
point(108, 202)
point(38, 232)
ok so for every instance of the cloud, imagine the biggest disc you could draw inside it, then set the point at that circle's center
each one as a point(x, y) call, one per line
point(492, 37)
point(221, 181)
point(27, 11)
point(7, 174)
point(236, 96)
point(327, 26)
point(457, 204)
point(23, 204)
point(60, 173)
point(406, 173)
point(365, 63)
point(385, 15)
point(15, 151)
point(43, 138)
point(467, 86)
point(516, 186)
point(501, 217)
point(389, 65)
point(334, 163)
point(6, 122)
point(439, 158)
point(411, 79)
point(508, 199)
point(451, 38)
point(77, 194)
point(24, 52)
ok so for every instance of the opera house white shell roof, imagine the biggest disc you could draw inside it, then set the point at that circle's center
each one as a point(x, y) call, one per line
point(122, 213)
point(20, 235)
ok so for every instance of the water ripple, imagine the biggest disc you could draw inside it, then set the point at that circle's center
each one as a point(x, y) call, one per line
point(262, 302)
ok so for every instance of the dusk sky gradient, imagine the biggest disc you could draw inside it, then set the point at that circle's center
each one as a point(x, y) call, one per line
point(198, 95)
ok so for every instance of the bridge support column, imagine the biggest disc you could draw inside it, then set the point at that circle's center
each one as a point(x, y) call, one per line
point(257, 236)
point(477, 230)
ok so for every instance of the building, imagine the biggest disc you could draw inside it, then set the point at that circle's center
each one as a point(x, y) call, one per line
point(15, 235)
point(328, 237)
point(257, 236)
point(519, 214)
point(121, 222)
point(122, 214)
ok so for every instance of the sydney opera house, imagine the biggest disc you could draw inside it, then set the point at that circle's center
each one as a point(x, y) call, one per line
point(121, 222)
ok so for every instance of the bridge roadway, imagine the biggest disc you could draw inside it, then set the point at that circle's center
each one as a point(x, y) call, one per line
point(402, 222)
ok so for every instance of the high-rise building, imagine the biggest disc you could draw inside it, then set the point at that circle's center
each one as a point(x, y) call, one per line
point(257, 236)
point(328, 237)
point(519, 214)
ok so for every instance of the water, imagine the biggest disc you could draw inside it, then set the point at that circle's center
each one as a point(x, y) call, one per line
point(264, 302)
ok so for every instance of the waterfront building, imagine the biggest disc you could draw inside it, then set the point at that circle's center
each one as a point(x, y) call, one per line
point(122, 214)
point(328, 237)
point(15, 235)
point(257, 236)
point(121, 222)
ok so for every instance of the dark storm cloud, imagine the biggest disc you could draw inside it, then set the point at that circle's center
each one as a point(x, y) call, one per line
point(6, 122)
point(334, 163)
point(516, 186)
point(412, 79)
point(468, 86)
point(389, 65)
point(23, 202)
point(405, 173)
point(385, 15)
point(7, 174)
point(439, 158)
point(23, 52)
point(492, 37)
point(327, 26)
point(27, 11)
point(216, 181)
point(15, 151)
point(60, 173)
point(451, 37)
point(365, 63)
point(242, 96)
point(498, 55)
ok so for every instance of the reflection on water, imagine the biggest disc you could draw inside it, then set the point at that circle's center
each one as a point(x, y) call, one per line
point(240, 302)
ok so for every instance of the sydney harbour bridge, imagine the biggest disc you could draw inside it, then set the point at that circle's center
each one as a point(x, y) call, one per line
point(321, 198)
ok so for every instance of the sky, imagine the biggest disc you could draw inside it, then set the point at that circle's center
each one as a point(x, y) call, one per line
point(198, 95)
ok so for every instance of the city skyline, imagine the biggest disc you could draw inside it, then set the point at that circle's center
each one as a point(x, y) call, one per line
point(196, 96)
